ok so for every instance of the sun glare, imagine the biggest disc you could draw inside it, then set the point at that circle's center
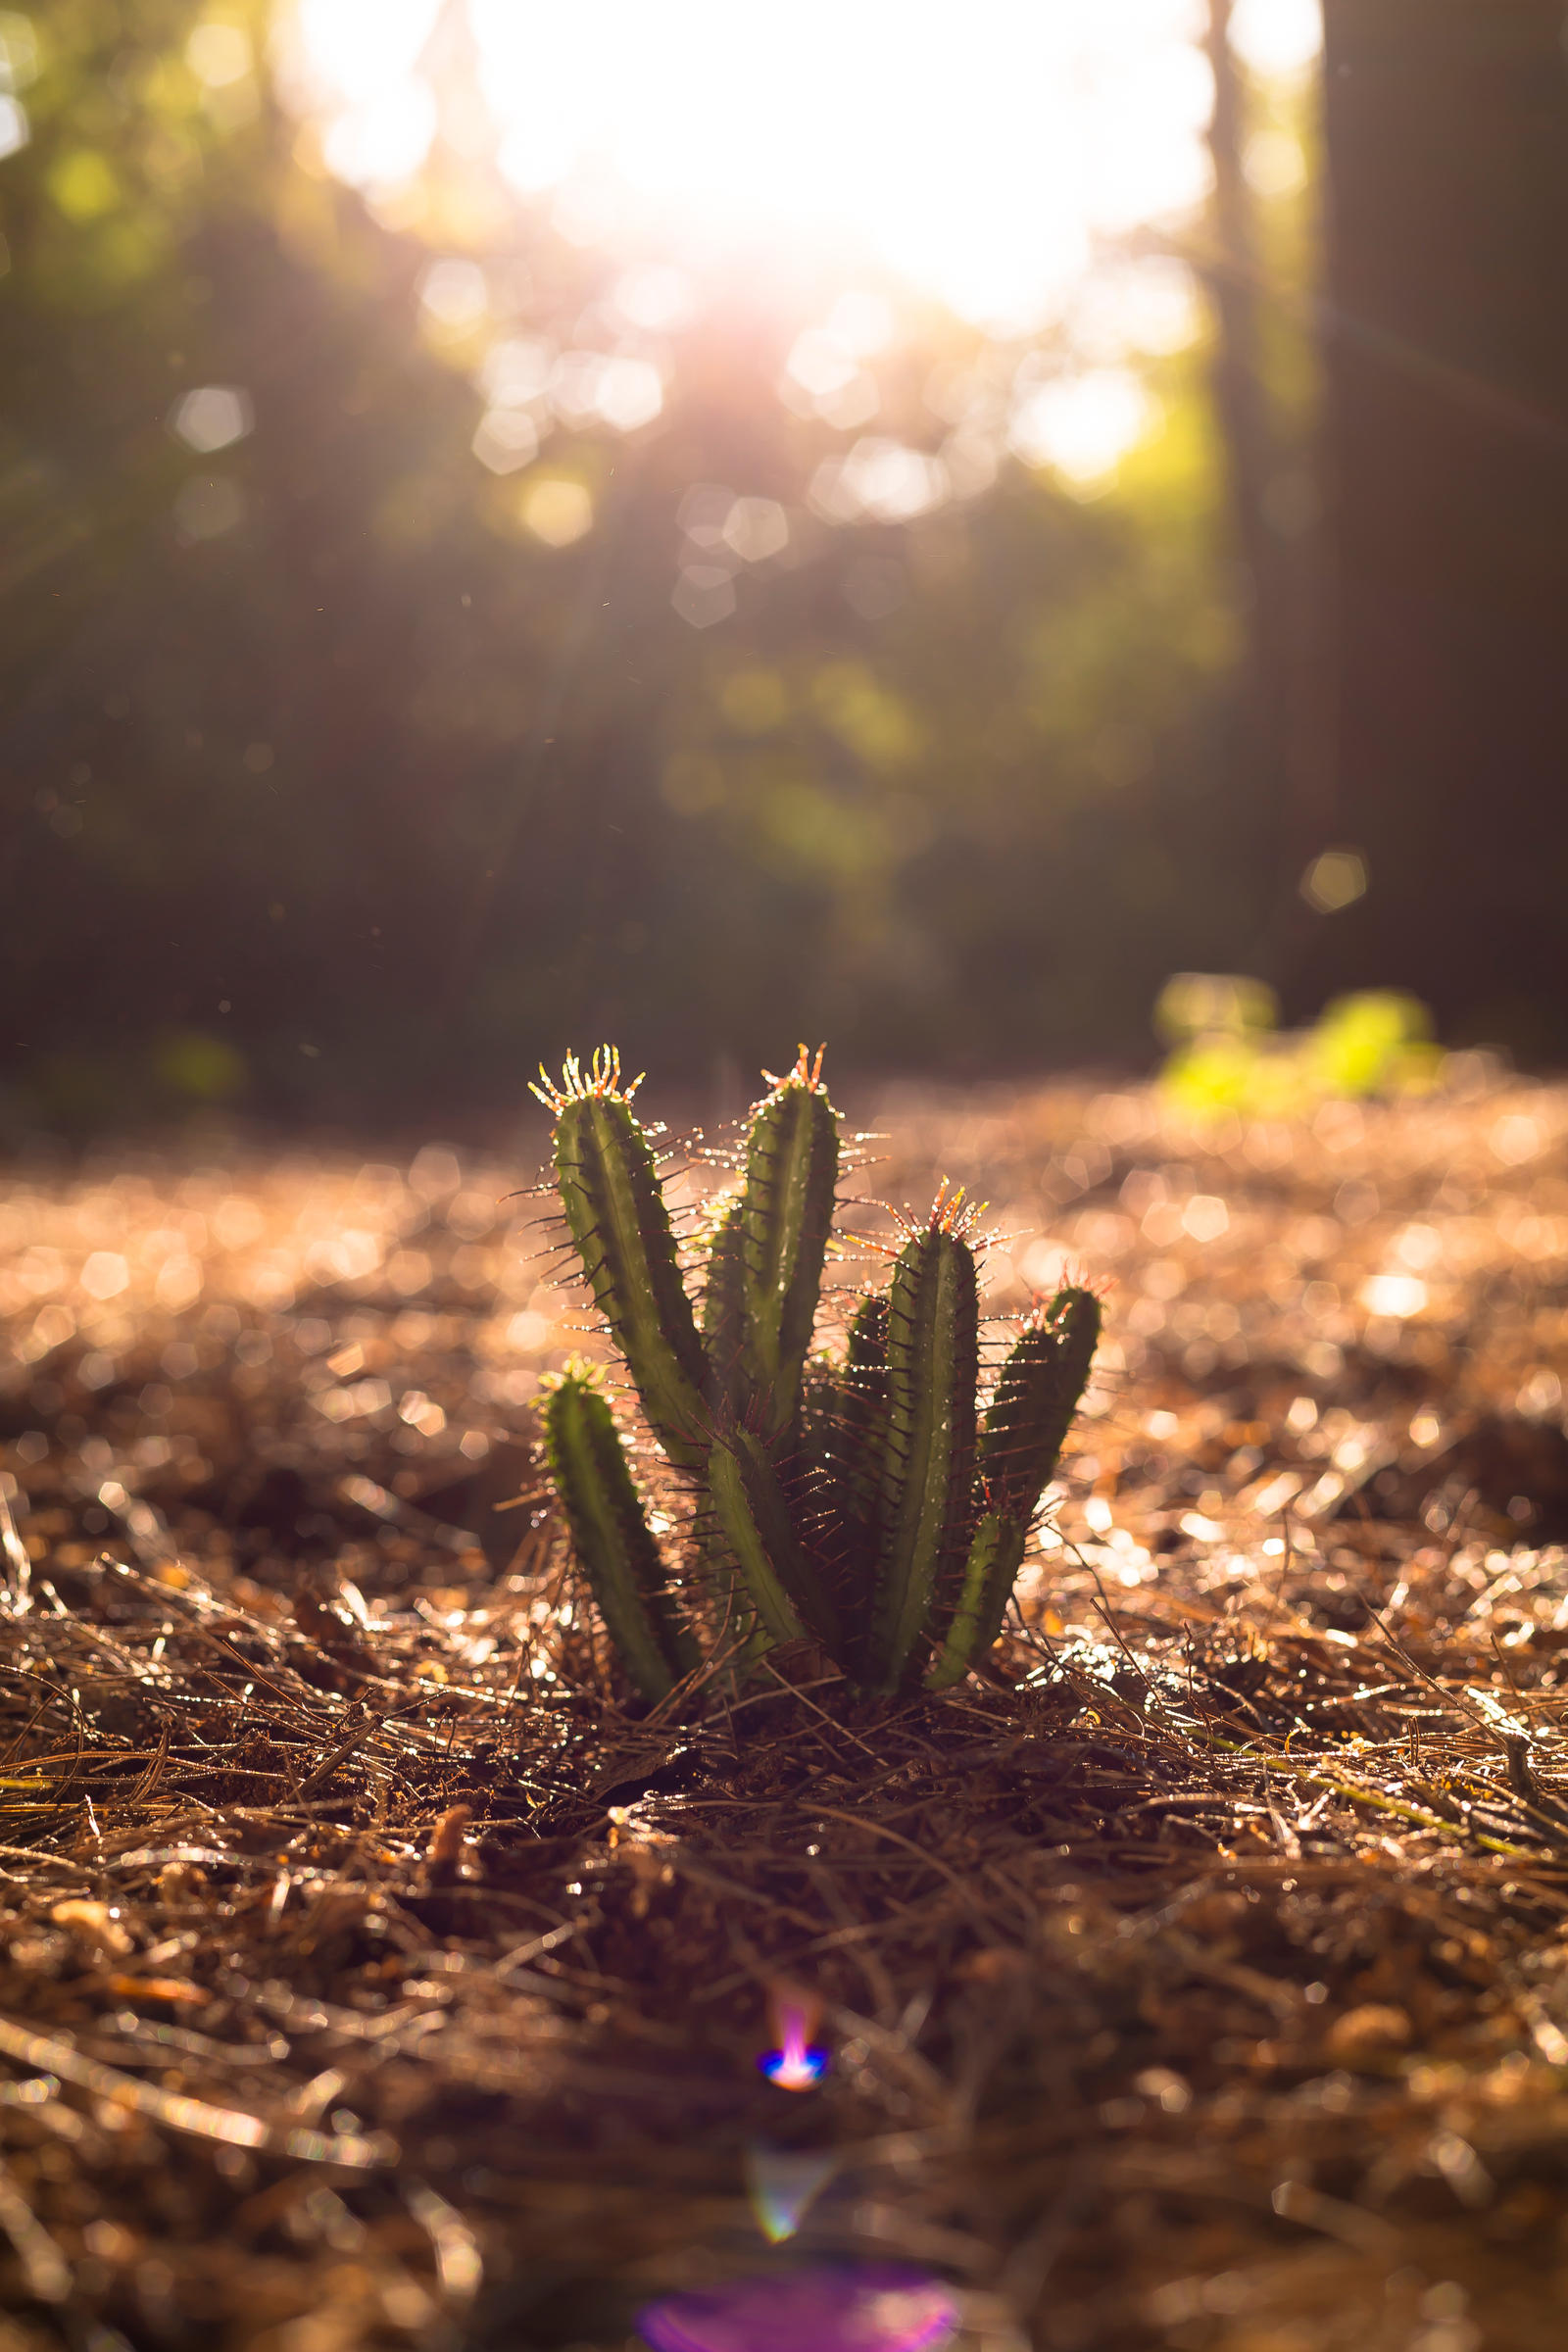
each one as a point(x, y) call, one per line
point(976, 153)
point(965, 150)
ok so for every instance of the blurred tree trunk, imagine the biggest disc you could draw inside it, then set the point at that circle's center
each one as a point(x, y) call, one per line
point(1274, 528)
point(1448, 153)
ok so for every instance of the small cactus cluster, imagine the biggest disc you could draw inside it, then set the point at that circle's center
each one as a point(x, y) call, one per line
point(866, 1505)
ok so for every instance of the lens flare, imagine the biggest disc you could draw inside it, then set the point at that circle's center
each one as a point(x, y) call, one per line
point(873, 2307)
point(795, 2063)
point(783, 2186)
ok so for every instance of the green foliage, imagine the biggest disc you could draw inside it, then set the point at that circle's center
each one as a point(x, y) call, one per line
point(1227, 1056)
point(367, 750)
point(1375, 1043)
point(857, 1502)
point(200, 1067)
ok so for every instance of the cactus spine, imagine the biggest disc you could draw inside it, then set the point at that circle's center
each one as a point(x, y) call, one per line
point(860, 1506)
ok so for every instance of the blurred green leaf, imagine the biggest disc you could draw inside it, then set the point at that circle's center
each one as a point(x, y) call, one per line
point(200, 1066)
point(1377, 1042)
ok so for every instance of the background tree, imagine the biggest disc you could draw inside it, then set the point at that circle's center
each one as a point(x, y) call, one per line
point(1447, 150)
point(1265, 389)
point(356, 757)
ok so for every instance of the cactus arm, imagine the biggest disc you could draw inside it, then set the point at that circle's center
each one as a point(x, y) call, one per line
point(1037, 1395)
point(786, 1211)
point(724, 1312)
point(994, 1557)
point(611, 1539)
point(852, 1442)
point(857, 1438)
point(753, 1516)
point(1041, 1384)
point(863, 1406)
point(928, 1460)
point(616, 1216)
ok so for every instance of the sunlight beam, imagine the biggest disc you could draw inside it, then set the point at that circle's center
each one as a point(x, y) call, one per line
point(976, 155)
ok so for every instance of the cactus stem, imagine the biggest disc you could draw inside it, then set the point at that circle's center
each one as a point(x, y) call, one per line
point(989, 1574)
point(928, 1459)
point(754, 1514)
point(772, 1245)
point(612, 1538)
point(1037, 1395)
point(617, 1218)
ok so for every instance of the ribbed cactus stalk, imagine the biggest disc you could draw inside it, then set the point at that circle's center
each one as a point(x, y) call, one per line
point(861, 1503)
point(615, 1213)
point(1024, 1431)
point(990, 1572)
point(754, 1513)
point(860, 1425)
point(782, 1220)
point(611, 1535)
point(928, 1451)
point(1036, 1398)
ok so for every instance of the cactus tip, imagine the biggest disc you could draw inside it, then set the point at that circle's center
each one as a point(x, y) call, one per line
point(807, 1074)
point(949, 1213)
point(577, 1372)
point(603, 1081)
point(1076, 1280)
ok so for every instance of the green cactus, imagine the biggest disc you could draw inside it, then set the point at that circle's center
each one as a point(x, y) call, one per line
point(604, 1513)
point(780, 1223)
point(857, 1503)
point(989, 1571)
point(928, 1451)
point(752, 1511)
point(856, 1421)
point(1024, 1431)
point(616, 1216)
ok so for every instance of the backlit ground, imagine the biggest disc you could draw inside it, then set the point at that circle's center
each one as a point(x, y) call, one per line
point(1207, 1988)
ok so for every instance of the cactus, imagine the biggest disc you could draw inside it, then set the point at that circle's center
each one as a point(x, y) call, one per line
point(862, 1504)
point(604, 1513)
point(781, 1221)
point(928, 1451)
point(617, 1217)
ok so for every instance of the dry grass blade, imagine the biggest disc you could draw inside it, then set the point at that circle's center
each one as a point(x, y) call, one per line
point(43, 2267)
point(234, 2127)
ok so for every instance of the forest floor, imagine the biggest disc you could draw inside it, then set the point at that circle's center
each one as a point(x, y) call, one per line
point(1198, 1980)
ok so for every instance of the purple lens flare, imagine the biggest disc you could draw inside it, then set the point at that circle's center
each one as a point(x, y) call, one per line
point(798, 2064)
point(869, 2307)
